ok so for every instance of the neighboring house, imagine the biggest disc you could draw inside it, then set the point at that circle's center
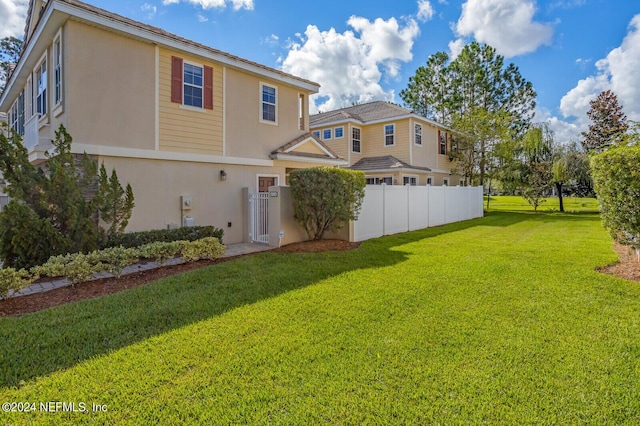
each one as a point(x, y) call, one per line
point(391, 144)
point(187, 125)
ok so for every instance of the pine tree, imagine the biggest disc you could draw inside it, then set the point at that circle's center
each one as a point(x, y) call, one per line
point(609, 123)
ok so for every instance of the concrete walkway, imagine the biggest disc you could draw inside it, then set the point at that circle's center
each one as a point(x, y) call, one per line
point(232, 250)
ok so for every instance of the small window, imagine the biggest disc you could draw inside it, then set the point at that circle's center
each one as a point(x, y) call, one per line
point(410, 180)
point(269, 99)
point(338, 132)
point(355, 140)
point(445, 182)
point(429, 181)
point(326, 134)
point(57, 71)
point(379, 181)
point(193, 85)
point(443, 142)
point(316, 133)
point(461, 182)
point(418, 134)
point(389, 134)
point(41, 88)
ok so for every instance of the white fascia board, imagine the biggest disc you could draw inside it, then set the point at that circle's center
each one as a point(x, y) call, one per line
point(167, 41)
point(337, 122)
point(398, 169)
point(382, 120)
point(145, 154)
point(288, 157)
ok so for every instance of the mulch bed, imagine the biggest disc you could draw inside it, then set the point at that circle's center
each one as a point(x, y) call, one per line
point(627, 268)
point(17, 306)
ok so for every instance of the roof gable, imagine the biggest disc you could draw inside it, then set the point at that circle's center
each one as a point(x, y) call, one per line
point(307, 148)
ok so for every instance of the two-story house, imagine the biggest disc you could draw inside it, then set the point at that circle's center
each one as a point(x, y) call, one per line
point(391, 144)
point(187, 125)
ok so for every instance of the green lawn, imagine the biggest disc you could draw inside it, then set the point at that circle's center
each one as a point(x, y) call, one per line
point(497, 320)
point(552, 204)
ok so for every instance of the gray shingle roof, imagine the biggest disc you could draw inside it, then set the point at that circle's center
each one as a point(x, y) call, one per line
point(377, 110)
point(388, 162)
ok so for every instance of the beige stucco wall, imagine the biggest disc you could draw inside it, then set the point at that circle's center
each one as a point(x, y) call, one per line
point(109, 88)
point(185, 129)
point(246, 135)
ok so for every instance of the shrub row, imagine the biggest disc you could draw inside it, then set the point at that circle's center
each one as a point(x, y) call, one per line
point(78, 267)
point(185, 233)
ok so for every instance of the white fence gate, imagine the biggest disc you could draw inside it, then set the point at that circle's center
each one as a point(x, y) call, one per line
point(259, 217)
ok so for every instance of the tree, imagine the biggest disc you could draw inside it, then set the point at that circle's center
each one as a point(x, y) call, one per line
point(471, 94)
point(616, 178)
point(609, 123)
point(537, 152)
point(115, 204)
point(10, 48)
point(325, 198)
point(54, 209)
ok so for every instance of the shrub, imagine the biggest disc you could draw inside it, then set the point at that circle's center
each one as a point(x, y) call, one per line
point(12, 279)
point(187, 233)
point(205, 248)
point(325, 198)
point(160, 251)
point(115, 259)
point(616, 179)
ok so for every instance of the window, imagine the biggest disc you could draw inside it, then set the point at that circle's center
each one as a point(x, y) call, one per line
point(338, 132)
point(191, 84)
point(269, 98)
point(461, 182)
point(326, 134)
point(445, 182)
point(16, 116)
point(389, 134)
point(418, 134)
point(429, 180)
point(41, 88)
point(355, 140)
point(316, 133)
point(410, 180)
point(301, 111)
point(379, 181)
point(454, 144)
point(443, 142)
point(57, 71)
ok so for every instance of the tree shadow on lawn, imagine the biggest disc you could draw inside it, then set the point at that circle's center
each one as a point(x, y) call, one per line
point(42, 343)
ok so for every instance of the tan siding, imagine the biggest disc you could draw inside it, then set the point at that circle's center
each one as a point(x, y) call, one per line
point(246, 135)
point(310, 148)
point(182, 129)
point(109, 88)
point(373, 141)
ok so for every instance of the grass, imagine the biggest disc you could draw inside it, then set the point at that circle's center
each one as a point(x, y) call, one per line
point(497, 320)
point(552, 204)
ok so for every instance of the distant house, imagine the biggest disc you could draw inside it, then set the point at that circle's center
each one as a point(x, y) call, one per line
point(391, 144)
point(187, 125)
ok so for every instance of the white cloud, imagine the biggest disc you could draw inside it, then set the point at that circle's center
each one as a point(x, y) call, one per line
point(425, 10)
point(619, 72)
point(13, 14)
point(272, 40)
point(563, 131)
point(149, 9)
point(201, 17)
point(455, 48)
point(506, 25)
point(350, 65)
point(215, 4)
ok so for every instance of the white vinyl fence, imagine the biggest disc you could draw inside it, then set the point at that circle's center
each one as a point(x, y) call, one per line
point(393, 209)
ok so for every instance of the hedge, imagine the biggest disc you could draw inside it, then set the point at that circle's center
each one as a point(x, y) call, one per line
point(185, 233)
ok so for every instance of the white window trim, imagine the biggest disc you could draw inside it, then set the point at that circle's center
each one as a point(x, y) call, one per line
point(416, 177)
point(429, 184)
point(379, 178)
point(384, 131)
point(28, 99)
point(262, 85)
point(445, 182)
point(191, 107)
point(314, 133)
point(43, 117)
point(334, 132)
point(330, 130)
point(57, 103)
point(359, 140)
point(416, 134)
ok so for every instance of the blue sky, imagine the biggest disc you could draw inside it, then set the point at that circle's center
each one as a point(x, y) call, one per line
point(359, 50)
